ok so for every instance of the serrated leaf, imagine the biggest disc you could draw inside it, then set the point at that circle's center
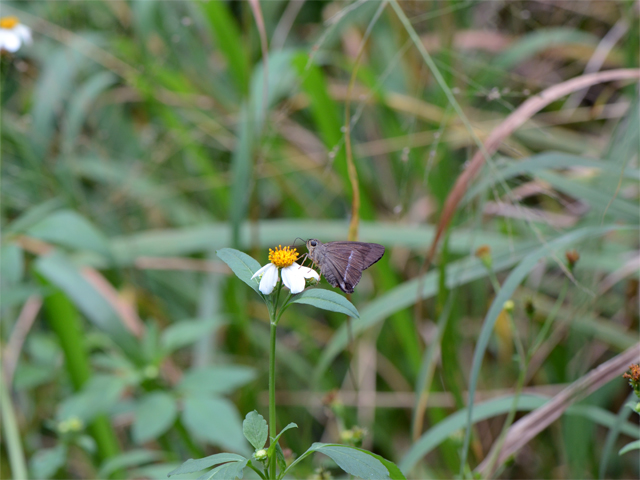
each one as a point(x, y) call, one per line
point(154, 414)
point(327, 300)
point(242, 265)
point(193, 465)
point(228, 471)
point(255, 429)
point(354, 461)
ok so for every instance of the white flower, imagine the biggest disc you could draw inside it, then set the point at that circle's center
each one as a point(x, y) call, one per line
point(293, 274)
point(13, 34)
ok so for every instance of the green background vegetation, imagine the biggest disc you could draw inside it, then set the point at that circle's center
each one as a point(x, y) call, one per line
point(135, 142)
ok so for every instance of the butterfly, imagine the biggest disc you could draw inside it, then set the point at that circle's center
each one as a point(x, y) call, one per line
point(342, 263)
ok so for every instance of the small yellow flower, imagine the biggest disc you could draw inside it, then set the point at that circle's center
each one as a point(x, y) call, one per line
point(71, 424)
point(293, 274)
point(13, 34)
point(283, 257)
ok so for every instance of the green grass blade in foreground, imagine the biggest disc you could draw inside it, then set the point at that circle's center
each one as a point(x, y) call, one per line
point(189, 240)
point(543, 161)
point(58, 269)
point(80, 106)
point(630, 446)
point(65, 321)
point(241, 165)
point(455, 422)
point(607, 449)
point(508, 287)
point(242, 265)
point(492, 408)
point(230, 42)
point(327, 300)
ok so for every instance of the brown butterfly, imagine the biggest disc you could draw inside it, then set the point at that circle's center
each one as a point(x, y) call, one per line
point(342, 263)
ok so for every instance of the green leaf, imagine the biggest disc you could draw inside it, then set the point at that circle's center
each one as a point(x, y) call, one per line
point(229, 41)
point(228, 471)
point(327, 300)
point(132, 458)
point(630, 446)
point(242, 265)
point(154, 414)
point(11, 263)
point(394, 471)
point(354, 461)
point(45, 463)
point(192, 465)
point(214, 420)
point(282, 462)
point(71, 230)
point(184, 333)
point(255, 429)
point(216, 379)
point(509, 286)
point(439, 432)
point(274, 441)
point(98, 395)
point(33, 215)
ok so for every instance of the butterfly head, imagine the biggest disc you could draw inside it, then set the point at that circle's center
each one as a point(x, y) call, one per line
point(312, 244)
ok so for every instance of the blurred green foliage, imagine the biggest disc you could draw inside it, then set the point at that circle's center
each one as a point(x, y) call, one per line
point(135, 142)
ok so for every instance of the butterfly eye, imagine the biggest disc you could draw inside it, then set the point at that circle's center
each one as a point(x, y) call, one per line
point(313, 243)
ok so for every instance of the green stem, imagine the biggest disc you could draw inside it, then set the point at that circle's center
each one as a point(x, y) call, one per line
point(12, 434)
point(272, 396)
point(65, 321)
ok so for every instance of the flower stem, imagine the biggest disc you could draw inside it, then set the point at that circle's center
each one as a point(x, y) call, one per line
point(272, 396)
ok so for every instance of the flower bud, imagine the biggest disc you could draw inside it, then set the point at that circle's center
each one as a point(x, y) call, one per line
point(572, 258)
point(260, 455)
point(484, 254)
point(508, 306)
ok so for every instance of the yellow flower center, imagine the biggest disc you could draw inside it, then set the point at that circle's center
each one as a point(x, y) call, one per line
point(9, 22)
point(283, 256)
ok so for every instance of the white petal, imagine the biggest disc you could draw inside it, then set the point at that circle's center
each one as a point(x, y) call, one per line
point(269, 279)
point(261, 271)
point(293, 278)
point(308, 272)
point(23, 32)
point(9, 41)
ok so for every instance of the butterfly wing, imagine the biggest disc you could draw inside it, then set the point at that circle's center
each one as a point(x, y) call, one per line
point(344, 262)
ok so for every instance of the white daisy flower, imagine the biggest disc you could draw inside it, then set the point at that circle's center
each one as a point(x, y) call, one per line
point(13, 34)
point(293, 274)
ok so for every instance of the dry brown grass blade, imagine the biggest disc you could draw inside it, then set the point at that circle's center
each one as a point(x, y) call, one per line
point(19, 333)
point(523, 113)
point(530, 425)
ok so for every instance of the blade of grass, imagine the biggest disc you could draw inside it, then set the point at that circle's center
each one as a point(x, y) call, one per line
point(66, 323)
point(229, 40)
point(529, 426)
point(507, 289)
